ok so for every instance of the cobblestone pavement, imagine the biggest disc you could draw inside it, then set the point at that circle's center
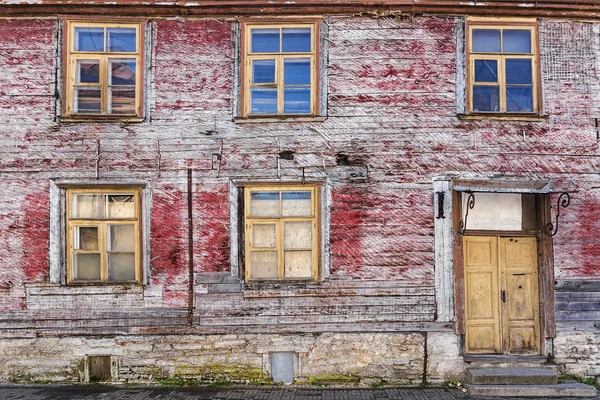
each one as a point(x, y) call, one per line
point(102, 392)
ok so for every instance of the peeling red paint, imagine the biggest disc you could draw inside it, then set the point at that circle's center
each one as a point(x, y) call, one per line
point(212, 242)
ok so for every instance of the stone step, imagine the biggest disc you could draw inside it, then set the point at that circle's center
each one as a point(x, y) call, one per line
point(512, 376)
point(539, 391)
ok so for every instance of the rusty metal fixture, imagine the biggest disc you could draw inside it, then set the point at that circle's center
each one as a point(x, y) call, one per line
point(552, 229)
point(470, 204)
point(440, 205)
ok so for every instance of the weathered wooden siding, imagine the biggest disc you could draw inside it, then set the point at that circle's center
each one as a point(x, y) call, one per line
point(391, 128)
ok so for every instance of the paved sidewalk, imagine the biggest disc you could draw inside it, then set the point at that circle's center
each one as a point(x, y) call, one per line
point(102, 392)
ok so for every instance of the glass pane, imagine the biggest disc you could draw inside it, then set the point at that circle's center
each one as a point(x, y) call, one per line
point(297, 235)
point(519, 98)
point(121, 40)
point(486, 71)
point(486, 41)
point(263, 71)
point(296, 40)
point(87, 71)
point(263, 100)
point(518, 71)
point(121, 206)
point(122, 72)
point(265, 41)
point(87, 100)
point(263, 235)
point(264, 204)
point(298, 264)
point(86, 238)
point(121, 267)
point(121, 238)
point(296, 71)
point(263, 265)
point(89, 39)
point(86, 267)
point(121, 101)
point(516, 41)
point(296, 204)
point(86, 206)
point(486, 98)
point(296, 100)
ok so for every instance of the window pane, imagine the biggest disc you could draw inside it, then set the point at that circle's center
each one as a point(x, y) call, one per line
point(121, 238)
point(296, 204)
point(519, 98)
point(264, 204)
point(121, 101)
point(86, 267)
point(89, 39)
point(87, 100)
point(263, 100)
point(263, 71)
point(122, 72)
point(518, 71)
point(263, 235)
point(486, 41)
point(516, 41)
point(121, 206)
point(298, 264)
point(486, 71)
point(264, 40)
point(296, 40)
point(87, 206)
point(297, 235)
point(86, 238)
point(263, 265)
point(121, 40)
point(486, 98)
point(296, 71)
point(87, 71)
point(296, 100)
point(121, 267)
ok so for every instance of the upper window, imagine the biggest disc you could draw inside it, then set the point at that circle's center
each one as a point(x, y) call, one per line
point(280, 74)
point(103, 75)
point(103, 235)
point(281, 233)
point(503, 68)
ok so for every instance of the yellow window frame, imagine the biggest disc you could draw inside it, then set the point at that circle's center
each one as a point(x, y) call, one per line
point(279, 57)
point(103, 59)
point(502, 25)
point(279, 221)
point(102, 225)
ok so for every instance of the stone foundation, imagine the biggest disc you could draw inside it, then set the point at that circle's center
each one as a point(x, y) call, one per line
point(577, 352)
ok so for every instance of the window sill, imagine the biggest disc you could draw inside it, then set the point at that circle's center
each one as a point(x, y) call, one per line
point(504, 117)
point(277, 119)
point(102, 119)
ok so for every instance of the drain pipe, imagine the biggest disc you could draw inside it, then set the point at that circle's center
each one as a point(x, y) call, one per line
point(190, 314)
point(425, 361)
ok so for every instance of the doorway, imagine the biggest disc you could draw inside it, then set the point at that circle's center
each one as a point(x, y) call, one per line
point(501, 295)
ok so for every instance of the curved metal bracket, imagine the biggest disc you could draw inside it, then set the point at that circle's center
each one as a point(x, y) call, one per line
point(552, 229)
point(470, 204)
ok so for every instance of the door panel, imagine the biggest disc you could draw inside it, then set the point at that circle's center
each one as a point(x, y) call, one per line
point(501, 295)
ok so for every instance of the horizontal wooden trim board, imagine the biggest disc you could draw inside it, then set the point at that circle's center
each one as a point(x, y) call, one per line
point(586, 9)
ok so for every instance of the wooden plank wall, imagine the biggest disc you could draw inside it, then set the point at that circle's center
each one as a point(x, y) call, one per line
point(578, 305)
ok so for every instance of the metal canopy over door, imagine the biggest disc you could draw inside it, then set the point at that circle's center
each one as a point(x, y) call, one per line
point(501, 295)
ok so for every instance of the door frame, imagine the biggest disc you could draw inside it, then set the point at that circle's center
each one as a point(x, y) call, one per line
point(545, 262)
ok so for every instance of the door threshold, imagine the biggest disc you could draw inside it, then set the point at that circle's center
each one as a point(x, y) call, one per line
point(504, 358)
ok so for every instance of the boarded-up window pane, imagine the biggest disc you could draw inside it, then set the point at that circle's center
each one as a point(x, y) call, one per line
point(298, 264)
point(263, 235)
point(87, 206)
point(264, 204)
point(296, 204)
point(86, 267)
point(263, 265)
point(297, 235)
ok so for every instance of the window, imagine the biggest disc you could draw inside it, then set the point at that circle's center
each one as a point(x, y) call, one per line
point(502, 68)
point(103, 69)
point(103, 235)
point(280, 74)
point(281, 233)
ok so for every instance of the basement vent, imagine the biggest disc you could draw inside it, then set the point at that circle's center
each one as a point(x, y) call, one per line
point(99, 368)
point(282, 367)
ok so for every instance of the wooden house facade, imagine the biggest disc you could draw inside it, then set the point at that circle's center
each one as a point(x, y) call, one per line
point(359, 192)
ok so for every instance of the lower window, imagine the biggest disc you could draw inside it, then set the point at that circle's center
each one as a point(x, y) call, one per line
point(281, 235)
point(103, 235)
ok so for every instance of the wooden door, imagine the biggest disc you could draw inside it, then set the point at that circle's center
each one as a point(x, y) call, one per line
point(501, 295)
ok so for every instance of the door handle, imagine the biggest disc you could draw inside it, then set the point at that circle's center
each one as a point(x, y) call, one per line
point(503, 295)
